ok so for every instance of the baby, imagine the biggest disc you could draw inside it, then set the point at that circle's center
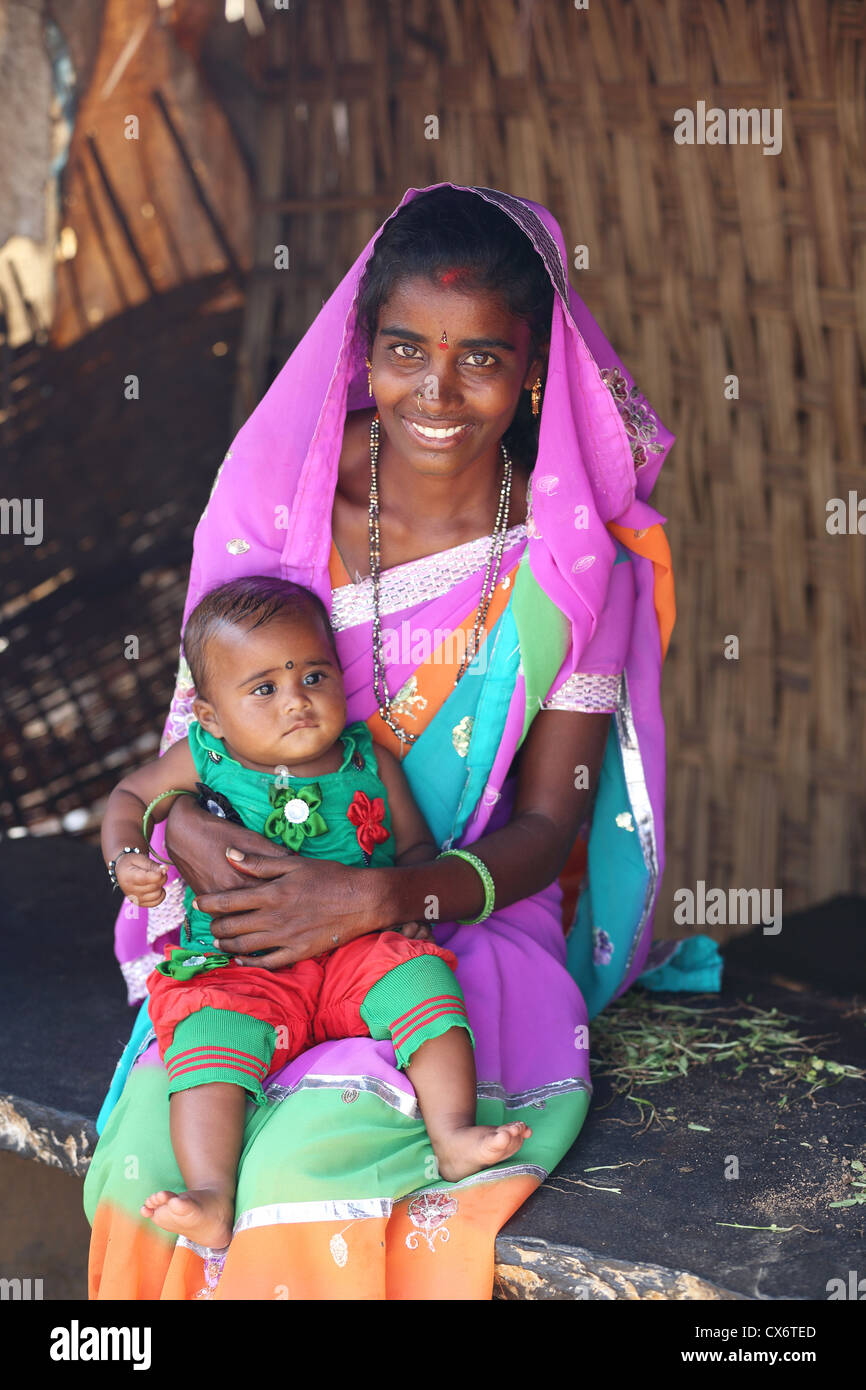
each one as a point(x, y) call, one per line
point(270, 748)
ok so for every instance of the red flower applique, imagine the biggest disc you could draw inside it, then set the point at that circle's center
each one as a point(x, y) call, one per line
point(368, 816)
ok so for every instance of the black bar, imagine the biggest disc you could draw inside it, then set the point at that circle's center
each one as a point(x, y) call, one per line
point(120, 214)
point(216, 225)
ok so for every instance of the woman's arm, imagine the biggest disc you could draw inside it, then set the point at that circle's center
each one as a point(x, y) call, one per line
point(531, 850)
point(298, 908)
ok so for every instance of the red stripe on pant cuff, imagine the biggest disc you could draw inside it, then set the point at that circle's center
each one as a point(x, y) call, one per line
point(437, 999)
point(433, 1011)
point(442, 1013)
point(217, 1050)
point(174, 1067)
point(212, 1066)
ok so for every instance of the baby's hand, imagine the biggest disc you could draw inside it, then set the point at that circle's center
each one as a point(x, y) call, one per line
point(141, 880)
point(416, 931)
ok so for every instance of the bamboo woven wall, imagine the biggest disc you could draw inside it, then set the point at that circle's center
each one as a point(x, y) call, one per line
point(705, 260)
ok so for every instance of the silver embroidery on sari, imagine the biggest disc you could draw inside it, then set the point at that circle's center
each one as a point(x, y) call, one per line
point(518, 1100)
point(418, 581)
point(408, 1105)
point(291, 1213)
point(406, 697)
point(180, 713)
point(644, 822)
point(461, 735)
point(169, 913)
point(374, 1085)
point(429, 1214)
point(515, 1170)
point(135, 972)
point(592, 694)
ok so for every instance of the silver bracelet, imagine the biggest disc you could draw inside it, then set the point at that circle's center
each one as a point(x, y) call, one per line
point(127, 849)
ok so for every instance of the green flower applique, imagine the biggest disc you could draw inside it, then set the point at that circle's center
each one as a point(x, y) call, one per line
point(295, 816)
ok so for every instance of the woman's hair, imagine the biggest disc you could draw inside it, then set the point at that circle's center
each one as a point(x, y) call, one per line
point(248, 602)
point(451, 229)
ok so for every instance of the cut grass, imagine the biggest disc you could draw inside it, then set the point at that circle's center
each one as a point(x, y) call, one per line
point(639, 1042)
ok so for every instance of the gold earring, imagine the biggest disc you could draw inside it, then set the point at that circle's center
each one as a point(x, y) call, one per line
point(536, 395)
point(369, 376)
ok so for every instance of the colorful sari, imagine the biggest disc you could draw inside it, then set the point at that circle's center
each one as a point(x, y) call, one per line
point(337, 1191)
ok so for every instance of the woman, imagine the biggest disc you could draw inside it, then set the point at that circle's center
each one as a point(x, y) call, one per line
point(445, 462)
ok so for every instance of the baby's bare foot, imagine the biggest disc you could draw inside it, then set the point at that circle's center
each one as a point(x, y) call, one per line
point(202, 1215)
point(469, 1149)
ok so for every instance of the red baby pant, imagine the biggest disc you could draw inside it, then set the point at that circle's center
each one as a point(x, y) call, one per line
point(242, 1023)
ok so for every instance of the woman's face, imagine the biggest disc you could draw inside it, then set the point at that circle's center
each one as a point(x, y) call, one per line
point(442, 408)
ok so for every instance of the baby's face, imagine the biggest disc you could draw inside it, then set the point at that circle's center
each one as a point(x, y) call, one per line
point(276, 692)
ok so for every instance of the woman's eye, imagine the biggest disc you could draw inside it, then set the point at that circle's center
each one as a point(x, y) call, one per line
point(407, 352)
point(267, 686)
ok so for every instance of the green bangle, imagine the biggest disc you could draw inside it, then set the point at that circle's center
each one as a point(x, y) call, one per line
point(179, 791)
point(486, 879)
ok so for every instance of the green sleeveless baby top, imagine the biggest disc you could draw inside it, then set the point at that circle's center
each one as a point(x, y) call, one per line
point(338, 815)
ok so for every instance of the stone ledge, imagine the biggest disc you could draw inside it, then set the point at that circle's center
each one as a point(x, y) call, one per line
point(534, 1269)
point(53, 1137)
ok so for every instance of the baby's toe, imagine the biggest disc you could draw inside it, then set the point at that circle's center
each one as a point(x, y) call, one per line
point(157, 1199)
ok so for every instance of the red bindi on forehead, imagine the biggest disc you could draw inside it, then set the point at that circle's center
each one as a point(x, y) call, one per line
point(450, 277)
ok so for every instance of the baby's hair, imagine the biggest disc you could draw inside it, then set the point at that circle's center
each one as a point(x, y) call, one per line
point(249, 602)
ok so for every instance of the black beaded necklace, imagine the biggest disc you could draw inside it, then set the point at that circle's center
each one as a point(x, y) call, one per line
point(491, 575)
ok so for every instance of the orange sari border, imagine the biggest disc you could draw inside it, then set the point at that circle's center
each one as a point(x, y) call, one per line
point(652, 544)
point(423, 1260)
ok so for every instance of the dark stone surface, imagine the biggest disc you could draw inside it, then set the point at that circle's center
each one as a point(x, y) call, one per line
point(669, 1207)
point(62, 997)
point(65, 1022)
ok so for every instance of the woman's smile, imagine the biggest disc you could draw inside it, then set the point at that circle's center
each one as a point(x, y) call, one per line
point(436, 436)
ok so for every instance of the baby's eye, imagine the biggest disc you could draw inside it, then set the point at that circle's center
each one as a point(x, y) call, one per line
point(313, 677)
point(267, 686)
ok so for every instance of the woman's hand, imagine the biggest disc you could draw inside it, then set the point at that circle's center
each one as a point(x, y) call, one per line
point(271, 899)
point(196, 842)
point(415, 931)
point(293, 908)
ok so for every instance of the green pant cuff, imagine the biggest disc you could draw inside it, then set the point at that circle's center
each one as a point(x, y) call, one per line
point(220, 1045)
point(414, 1002)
